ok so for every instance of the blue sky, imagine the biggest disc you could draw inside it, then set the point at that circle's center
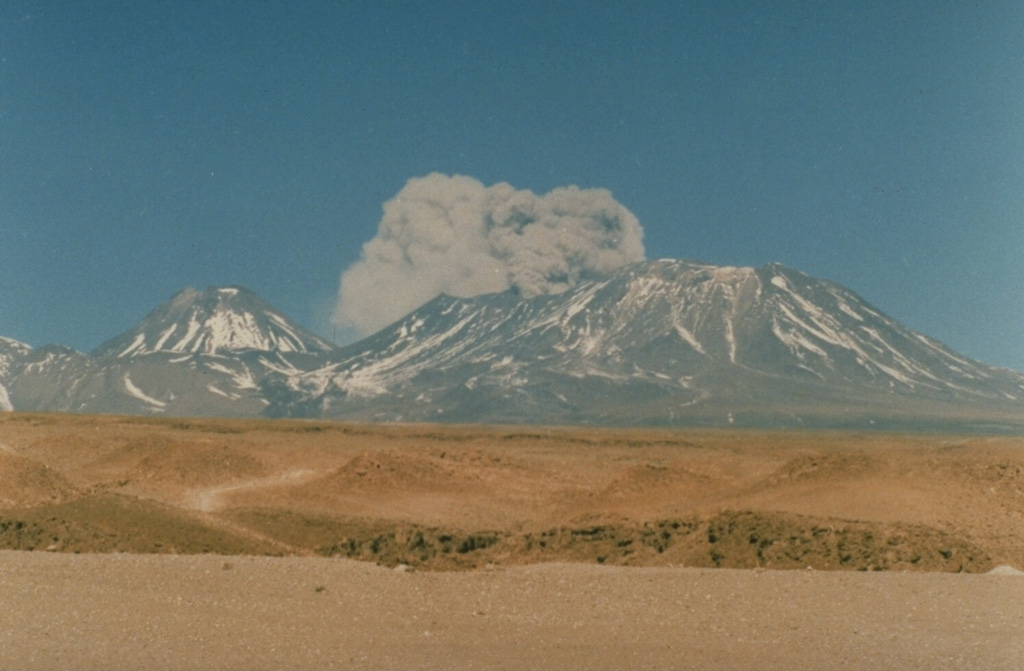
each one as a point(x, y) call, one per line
point(145, 147)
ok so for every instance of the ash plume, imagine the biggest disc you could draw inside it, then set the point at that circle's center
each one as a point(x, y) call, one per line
point(453, 235)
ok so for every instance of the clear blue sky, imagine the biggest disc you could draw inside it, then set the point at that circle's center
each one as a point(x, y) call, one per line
point(148, 146)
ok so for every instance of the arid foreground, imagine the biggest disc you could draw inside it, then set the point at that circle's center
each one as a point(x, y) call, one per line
point(422, 499)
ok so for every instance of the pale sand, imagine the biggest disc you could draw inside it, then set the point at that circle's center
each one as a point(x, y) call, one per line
point(149, 611)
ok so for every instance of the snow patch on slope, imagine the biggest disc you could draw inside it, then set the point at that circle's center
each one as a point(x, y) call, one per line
point(168, 332)
point(158, 406)
point(135, 346)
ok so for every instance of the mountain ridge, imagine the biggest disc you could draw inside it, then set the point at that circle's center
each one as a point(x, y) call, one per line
point(677, 332)
point(200, 353)
point(661, 342)
point(210, 321)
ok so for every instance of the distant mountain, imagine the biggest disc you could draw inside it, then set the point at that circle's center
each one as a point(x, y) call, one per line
point(11, 351)
point(659, 342)
point(656, 343)
point(220, 320)
point(201, 353)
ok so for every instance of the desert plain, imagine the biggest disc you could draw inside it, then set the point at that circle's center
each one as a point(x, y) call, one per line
point(186, 543)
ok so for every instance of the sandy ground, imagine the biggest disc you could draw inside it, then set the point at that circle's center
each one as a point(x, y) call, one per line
point(146, 611)
point(166, 543)
point(447, 498)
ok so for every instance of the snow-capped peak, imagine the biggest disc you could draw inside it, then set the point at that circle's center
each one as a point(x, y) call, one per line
point(218, 320)
point(658, 340)
point(10, 350)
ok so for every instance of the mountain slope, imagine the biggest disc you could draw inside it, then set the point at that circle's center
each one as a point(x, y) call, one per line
point(215, 321)
point(201, 353)
point(11, 353)
point(657, 342)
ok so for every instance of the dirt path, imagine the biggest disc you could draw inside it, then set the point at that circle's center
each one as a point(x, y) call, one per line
point(208, 499)
point(207, 502)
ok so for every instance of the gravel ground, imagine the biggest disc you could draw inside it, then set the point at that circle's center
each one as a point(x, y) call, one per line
point(147, 611)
